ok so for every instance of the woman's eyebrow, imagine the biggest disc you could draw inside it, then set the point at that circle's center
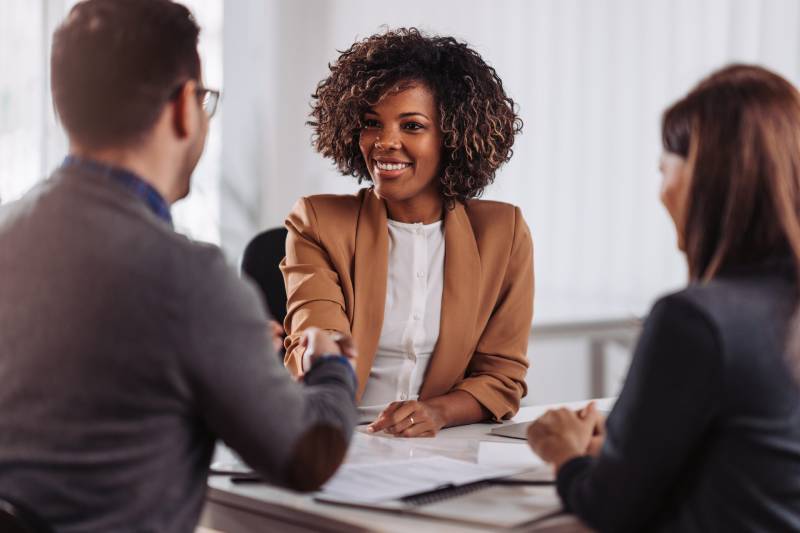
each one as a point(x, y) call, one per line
point(413, 113)
point(371, 111)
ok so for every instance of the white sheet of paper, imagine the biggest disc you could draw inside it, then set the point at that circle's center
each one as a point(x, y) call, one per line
point(377, 482)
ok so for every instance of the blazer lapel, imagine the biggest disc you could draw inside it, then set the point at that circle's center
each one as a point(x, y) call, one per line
point(460, 297)
point(369, 273)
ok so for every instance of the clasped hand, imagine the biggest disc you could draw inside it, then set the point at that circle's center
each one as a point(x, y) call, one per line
point(562, 434)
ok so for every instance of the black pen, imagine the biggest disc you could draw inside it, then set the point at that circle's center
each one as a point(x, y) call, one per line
point(247, 478)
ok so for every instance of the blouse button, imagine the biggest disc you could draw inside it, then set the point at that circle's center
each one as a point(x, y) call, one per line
point(420, 274)
point(404, 396)
point(417, 316)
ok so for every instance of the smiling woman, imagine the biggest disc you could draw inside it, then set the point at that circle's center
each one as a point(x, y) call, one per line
point(435, 286)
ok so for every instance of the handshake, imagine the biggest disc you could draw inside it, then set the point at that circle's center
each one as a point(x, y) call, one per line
point(319, 342)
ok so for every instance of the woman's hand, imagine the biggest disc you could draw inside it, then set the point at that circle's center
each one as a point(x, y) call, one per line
point(599, 433)
point(409, 419)
point(562, 434)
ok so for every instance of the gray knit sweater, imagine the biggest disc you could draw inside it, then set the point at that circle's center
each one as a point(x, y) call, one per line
point(125, 351)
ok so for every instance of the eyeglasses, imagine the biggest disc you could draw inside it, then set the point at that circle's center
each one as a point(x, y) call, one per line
point(209, 98)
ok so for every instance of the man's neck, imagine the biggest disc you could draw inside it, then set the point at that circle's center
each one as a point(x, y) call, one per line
point(131, 161)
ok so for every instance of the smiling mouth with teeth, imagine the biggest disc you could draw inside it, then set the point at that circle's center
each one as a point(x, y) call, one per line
point(391, 166)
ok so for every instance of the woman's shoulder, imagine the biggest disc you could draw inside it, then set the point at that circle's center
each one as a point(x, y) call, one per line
point(490, 208)
point(757, 297)
point(330, 208)
point(730, 306)
point(490, 217)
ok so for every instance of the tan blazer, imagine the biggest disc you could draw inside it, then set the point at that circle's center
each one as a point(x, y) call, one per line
point(335, 272)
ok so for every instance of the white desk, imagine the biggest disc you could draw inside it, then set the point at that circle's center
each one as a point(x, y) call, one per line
point(240, 508)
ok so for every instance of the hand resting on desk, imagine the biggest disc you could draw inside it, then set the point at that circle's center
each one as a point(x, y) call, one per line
point(408, 419)
point(425, 418)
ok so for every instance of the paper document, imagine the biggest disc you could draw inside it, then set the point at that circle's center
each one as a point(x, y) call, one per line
point(226, 462)
point(497, 506)
point(378, 482)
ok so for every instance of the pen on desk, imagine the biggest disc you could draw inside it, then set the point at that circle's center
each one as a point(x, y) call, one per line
point(248, 478)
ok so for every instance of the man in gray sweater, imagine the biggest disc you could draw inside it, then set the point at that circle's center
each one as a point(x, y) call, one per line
point(126, 349)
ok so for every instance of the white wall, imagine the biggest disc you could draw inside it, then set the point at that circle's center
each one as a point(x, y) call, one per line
point(32, 142)
point(591, 78)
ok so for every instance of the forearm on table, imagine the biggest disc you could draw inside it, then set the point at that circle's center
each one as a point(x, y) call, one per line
point(457, 408)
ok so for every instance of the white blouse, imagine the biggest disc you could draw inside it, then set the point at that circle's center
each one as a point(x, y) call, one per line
point(411, 315)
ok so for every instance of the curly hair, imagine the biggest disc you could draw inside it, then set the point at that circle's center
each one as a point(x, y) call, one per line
point(478, 119)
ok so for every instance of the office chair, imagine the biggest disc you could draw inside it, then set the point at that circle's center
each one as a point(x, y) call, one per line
point(260, 262)
point(16, 518)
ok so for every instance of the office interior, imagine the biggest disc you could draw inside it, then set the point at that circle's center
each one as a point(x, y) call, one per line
point(590, 78)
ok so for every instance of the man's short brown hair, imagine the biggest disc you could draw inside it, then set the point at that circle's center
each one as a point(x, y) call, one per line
point(115, 63)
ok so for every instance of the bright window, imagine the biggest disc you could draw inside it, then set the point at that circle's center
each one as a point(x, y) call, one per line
point(32, 143)
point(23, 100)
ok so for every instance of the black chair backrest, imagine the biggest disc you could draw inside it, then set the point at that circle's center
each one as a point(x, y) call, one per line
point(17, 518)
point(261, 261)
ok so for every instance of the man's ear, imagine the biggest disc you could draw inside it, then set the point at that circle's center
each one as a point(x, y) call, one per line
point(184, 109)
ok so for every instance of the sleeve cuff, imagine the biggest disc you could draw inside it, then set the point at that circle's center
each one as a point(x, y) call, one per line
point(499, 408)
point(329, 365)
point(566, 477)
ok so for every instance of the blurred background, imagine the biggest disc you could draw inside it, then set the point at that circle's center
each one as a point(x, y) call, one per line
point(590, 77)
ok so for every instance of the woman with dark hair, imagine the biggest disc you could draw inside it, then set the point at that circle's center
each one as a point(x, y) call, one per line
point(705, 435)
point(435, 286)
